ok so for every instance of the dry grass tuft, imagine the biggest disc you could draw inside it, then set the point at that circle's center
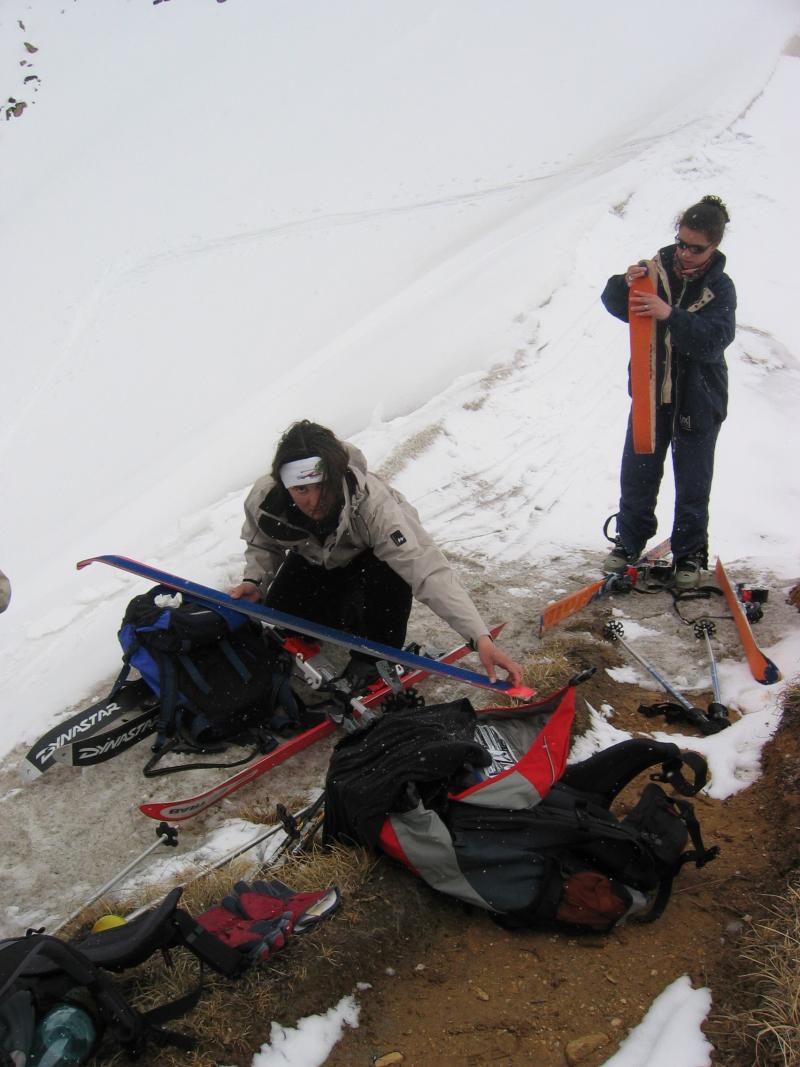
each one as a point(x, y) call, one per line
point(549, 669)
point(791, 699)
point(772, 948)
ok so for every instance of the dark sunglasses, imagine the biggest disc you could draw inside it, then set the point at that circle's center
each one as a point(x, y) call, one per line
point(696, 250)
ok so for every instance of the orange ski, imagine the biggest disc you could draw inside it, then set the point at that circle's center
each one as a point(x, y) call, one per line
point(762, 668)
point(643, 370)
point(612, 583)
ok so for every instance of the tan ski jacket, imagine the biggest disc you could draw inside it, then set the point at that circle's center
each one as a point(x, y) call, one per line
point(373, 516)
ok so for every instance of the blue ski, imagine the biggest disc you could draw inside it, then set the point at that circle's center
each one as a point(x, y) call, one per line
point(267, 615)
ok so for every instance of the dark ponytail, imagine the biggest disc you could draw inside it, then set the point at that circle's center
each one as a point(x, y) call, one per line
point(708, 216)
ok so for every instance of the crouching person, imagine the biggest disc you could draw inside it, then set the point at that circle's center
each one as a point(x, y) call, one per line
point(333, 543)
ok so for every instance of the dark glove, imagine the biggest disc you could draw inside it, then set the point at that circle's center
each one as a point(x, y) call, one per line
point(268, 900)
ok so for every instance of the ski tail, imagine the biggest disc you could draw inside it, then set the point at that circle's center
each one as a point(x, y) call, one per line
point(761, 667)
point(569, 605)
point(105, 745)
point(122, 701)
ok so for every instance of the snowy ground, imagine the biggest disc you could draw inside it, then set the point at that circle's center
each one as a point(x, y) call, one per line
point(218, 218)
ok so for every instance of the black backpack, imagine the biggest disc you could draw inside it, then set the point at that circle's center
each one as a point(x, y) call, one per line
point(217, 678)
point(484, 808)
point(38, 972)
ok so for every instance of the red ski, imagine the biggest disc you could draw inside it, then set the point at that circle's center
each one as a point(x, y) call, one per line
point(178, 810)
point(643, 369)
point(762, 668)
point(612, 583)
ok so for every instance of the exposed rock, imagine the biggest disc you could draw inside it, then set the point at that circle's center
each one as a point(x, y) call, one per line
point(5, 591)
point(30, 47)
point(389, 1059)
point(576, 1051)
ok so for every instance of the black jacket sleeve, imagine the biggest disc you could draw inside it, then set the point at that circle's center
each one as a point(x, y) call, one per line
point(615, 297)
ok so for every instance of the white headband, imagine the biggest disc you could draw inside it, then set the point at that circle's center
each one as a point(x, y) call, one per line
point(302, 472)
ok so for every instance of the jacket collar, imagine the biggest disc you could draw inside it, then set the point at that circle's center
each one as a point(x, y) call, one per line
point(715, 270)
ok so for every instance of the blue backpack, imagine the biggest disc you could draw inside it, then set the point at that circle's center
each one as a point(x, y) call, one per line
point(216, 677)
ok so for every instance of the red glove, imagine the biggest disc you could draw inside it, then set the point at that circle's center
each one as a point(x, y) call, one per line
point(269, 900)
point(257, 940)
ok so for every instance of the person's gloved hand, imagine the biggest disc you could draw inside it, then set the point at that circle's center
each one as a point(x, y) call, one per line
point(267, 900)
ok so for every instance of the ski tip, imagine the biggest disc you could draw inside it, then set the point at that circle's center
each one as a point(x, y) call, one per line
point(113, 561)
point(771, 673)
point(520, 692)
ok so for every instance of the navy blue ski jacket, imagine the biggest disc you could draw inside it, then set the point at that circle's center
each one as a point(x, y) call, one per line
point(691, 371)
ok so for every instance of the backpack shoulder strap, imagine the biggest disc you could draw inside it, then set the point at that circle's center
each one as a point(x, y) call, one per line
point(672, 768)
point(606, 773)
point(133, 942)
point(700, 855)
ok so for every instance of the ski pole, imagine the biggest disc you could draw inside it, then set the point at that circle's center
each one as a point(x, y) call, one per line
point(292, 826)
point(614, 631)
point(165, 835)
point(704, 629)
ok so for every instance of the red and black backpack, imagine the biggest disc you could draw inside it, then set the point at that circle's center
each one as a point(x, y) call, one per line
point(483, 807)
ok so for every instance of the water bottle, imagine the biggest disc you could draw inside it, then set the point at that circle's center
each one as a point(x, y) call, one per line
point(64, 1037)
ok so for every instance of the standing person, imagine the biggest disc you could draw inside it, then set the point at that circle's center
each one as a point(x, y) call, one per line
point(331, 542)
point(694, 315)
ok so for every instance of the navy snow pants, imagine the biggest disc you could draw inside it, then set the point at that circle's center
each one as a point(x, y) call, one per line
point(640, 480)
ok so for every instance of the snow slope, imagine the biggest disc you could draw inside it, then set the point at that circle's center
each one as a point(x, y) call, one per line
point(217, 218)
